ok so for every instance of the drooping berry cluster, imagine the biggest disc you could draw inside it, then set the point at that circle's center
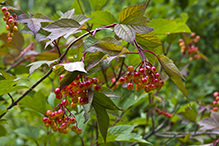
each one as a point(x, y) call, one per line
point(215, 102)
point(145, 78)
point(11, 25)
point(77, 91)
point(166, 114)
point(58, 121)
point(191, 49)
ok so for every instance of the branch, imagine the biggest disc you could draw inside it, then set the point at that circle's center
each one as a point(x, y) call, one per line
point(46, 75)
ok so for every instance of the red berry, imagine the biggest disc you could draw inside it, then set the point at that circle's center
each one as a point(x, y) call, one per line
point(88, 84)
point(65, 102)
point(147, 88)
point(78, 131)
point(72, 120)
point(7, 14)
point(95, 80)
point(7, 27)
point(83, 100)
point(60, 113)
point(153, 69)
point(144, 80)
point(217, 98)
point(59, 96)
point(61, 76)
point(161, 83)
point(215, 109)
point(74, 128)
point(130, 69)
point(64, 125)
point(130, 86)
point(57, 91)
point(45, 120)
point(152, 86)
point(216, 94)
point(156, 82)
point(97, 87)
point(136, 75)
point(181, 40)
point(65, 131)
point(121, 80)
point(4, 9)
point(52, 115)
point(9, 39)
point(73, 105)
point(157, 75)
point(48, 112)
point(141, 71)
point(214, 102)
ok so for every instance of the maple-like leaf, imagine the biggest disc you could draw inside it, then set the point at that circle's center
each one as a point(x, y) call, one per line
point(33, 21)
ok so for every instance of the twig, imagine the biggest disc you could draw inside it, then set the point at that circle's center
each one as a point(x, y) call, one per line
point(12, 100)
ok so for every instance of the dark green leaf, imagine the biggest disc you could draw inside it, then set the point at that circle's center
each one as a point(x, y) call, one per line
point(3, 131)
point(3, 121)
point(89, 41)
point(121, 129)
point(102, 17)
point(47, 56)
point(17, 41)
point(98, 4)
point(102, 119)
point(127, 32)
point(33, 21)
point(28, 131)
point(173, 72)
point(2, 111)
point(189, 114)
point(103, 100)
point(131, 137)
point(68, 78)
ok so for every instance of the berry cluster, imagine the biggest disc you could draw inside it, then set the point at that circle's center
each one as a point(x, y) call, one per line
point(215, 102)
point(191, 48)
point(77, 91)
point(145, 78)
point(166, 114)
point(58, 121)
point(11, 25)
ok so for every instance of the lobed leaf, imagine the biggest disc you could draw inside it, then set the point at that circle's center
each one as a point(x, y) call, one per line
point(127, 32)
point(33, 21)
point(210, 123)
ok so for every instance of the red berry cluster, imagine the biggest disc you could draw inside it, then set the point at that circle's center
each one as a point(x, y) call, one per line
point(215, 102)
point(166, 114)
point(145, 78)
point(58, 121)
point(11, 25)
point(77, 91)
point(190, 49)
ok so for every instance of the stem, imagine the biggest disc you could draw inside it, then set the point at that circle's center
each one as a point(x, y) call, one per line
point(80, 6)
point(46, 75)
point(140, 52)
point(12, 100)
point(82, 59)
point(57, 46)
point(111, 25)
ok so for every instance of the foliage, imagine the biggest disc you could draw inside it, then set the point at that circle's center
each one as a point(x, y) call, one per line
point(112, 71)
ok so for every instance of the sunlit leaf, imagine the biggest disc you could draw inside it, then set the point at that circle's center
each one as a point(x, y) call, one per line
point(7, 76)
point(102, 17)
point(8, 86)
point(98, 4)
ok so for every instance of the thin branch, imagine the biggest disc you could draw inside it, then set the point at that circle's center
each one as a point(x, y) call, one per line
point(12, 100)
point(80, 6)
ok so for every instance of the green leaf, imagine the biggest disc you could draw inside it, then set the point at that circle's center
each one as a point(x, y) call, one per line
point(103, 100)
point(98, 4)
point(95, 60)
point(133, 15)
point(86, 112)
point(33, 21)
point(173, 73)
point(3, 121)
point(28, 131)
point(8, 86)
point(89, 41)
point(121, 129)
point(102, 119)
point(164, 27)
point(189, 114)
point(107, 45)
point(148, 41)
point(37, 64)
point(102, 17)
point(37, 102)
point(68, 78)
point(17, 41)
point(108, 92)
point(41, 35)
point(7, 76)
point(132, 137)
point(2, 111)
point(47, 56)
point(3, 131)
point(127, 32)
point(62, 27)
point(51, 99)
point(81, 19)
